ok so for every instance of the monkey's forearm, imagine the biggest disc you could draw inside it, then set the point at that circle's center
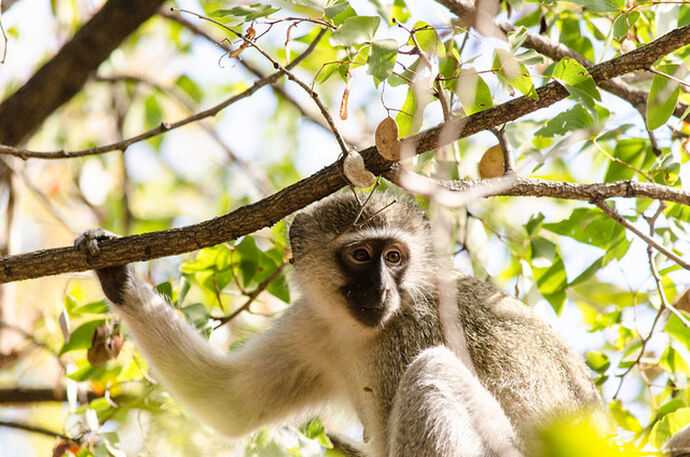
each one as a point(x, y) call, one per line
point(234, 393)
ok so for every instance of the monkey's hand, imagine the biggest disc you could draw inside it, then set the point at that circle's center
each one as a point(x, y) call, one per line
point(116, 280)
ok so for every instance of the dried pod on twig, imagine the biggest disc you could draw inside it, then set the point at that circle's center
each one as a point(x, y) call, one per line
point(387, 142)
point(492, 165)
point(356, 172)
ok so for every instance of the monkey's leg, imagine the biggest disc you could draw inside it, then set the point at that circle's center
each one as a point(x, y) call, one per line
point(442, 410)
point(265, 381)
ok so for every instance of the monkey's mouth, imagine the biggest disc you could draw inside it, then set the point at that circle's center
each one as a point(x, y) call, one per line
point(368, 307)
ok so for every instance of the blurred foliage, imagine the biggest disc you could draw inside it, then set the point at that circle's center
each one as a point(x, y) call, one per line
point(565, 258)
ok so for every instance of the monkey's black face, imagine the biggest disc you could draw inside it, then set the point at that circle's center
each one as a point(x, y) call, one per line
point(373, 269)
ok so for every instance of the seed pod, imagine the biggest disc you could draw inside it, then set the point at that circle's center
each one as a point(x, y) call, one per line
point(387, 142)
point(356, 172)
point(492, 165)
point(105, 345)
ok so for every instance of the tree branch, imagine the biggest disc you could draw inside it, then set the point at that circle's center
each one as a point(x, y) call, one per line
point(65, 74)
point(270, 210)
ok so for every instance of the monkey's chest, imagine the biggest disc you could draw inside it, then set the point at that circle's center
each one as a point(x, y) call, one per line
point(378, 373)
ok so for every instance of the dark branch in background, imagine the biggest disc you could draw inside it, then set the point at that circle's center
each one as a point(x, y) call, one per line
point(20, 395)
point(34, 429)
point(65, 74)
point(257, 175)
point(270, 210)
point(465, 9)
point(164, 127)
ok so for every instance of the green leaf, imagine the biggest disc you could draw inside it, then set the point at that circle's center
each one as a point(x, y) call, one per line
point(578, 82)
point(678, 211)
point(511, 72)
point(248, 12)
point(165, 290)
point(575, 118)
point(668, 426)
point(186, 84)
point(598, 361)
point(678, 330)
point(672, 361)
point(154, 115)
point(551, 280)
point(542, 252)
point(247, 256)
point(586, 225)
point(400, 11)
point(333, 11)
point(407, 119)
point(428, 39)
point(534, 224)
point(623, 23)
point(80, 338)
point(662, 98)
point(636, 152)
point(95, 307)
point(382, 59)
point(197, 314)
point(601, 6)
point(474, 94)
point(355, 30)
point(623, 417)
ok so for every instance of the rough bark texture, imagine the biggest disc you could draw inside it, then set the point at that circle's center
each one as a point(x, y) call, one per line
point(264, 213)
point(65, 74)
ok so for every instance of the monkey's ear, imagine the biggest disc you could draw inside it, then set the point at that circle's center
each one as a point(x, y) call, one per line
point(296, 233)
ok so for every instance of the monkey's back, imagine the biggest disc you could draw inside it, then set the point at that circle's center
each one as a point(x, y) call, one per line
point(522, 361)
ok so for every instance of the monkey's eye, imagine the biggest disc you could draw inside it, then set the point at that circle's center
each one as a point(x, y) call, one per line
point(393, 257)
point(360, 255)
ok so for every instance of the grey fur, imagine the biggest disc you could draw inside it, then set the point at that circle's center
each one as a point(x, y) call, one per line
point(317, 353)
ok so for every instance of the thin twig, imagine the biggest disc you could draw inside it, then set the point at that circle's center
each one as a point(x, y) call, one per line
point(251, 297)
point(602, 205)
point(163, 127)
point(672, 78)
point(286, 72)
point(256, 174)
point(5, 40)
point(508, 159)
point(34, 429)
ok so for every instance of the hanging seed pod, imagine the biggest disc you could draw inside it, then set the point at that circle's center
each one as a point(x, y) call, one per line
point(387, 142)
point(356, 172)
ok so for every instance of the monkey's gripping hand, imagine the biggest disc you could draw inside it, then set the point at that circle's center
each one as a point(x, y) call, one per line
point(116, 280)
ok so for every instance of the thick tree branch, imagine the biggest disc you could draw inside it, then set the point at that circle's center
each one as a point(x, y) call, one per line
point(65, 74)
point(270, 210)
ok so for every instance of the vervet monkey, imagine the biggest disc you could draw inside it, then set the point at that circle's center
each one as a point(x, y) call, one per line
point(366, 329)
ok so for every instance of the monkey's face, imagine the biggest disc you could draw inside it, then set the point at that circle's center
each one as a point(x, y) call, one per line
point(373, 271)
point(362, 264)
